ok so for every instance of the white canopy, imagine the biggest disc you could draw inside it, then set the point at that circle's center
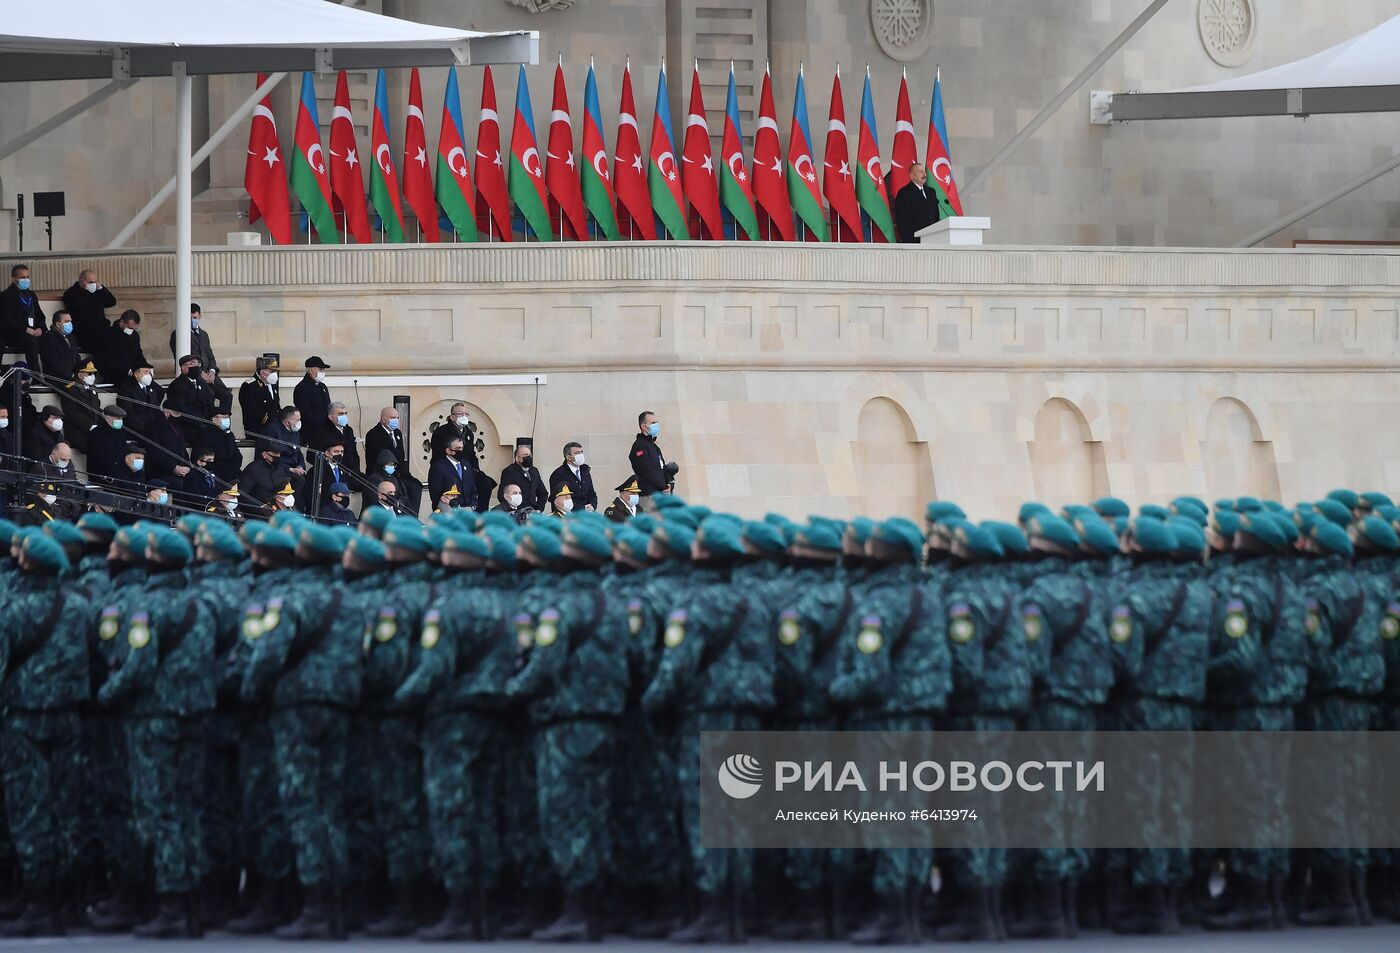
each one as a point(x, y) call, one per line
point(1361, 74)
point(96, 39)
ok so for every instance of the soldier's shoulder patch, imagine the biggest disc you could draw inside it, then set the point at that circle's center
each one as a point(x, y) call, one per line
point(634, 616)
point(253, 620)
point(675, 628)
point(524, 632)
point(789, 627)
point(1390, 625)
point(110, 624)
point(1236, 619)
point(547, 631)
point(387, 625)
point(1312, 620)
point(1120, 627)
point(139, 635)
point(871, 635)
point(432, 628)
point(1032, 622)
point(961, 628)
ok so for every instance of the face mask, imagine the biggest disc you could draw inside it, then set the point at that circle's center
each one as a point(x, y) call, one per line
point(193, 373)
point(390, 469)
point(24, 284)
point(343, 420)
point(88, 379)
point(56, 423)
point(653, 430)
point(138, 465)
point(91, 287)
point(67, 327)
point(566, 505)
point(452, 453)
point(340, 500)
point(525, 464)
point(231, 505)
point(128, 330)
point(162, 498)
point(389, 500)
point(287, 501)
point(4, 423)
point(144, 380)
point(335, 457)
point(272, 379)
point(194, 324)
point(513, 500)
point(633, 499)
point(295, 427)
point(462, 420)
point(117, 424)
point(578, 459)
point(49, 498)
point(205, 464)
point(394, 424)
point(61, 464)
point(225, 423)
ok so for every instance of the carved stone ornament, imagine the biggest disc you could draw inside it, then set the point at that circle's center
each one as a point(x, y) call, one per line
point(1228, 29)
point(542, 6)
point(901, 27)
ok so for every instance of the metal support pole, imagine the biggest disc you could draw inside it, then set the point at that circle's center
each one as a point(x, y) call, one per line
point(1084, 76)
point(205, 151)
point(184, 206)
point(58, 119)
point(1298, 215)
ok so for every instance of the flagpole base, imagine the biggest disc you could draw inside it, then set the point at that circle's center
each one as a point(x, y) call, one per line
point(959, 230)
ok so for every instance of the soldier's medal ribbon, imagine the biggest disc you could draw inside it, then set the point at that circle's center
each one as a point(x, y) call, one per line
point(253, 622)
point(1032, 622)
point(548, 630)
point(869, 638)
point(961, 628)
point(139, 636)
point(388, 624)
point(273, 616)
point(1236, 621)
point(1120, 629)
point(675, 628)
point(111, 624)
point(432, 629)
point(1313, 620)
point(634, 616)
point(1390, 625)
point(524, 635)
point(789, 629)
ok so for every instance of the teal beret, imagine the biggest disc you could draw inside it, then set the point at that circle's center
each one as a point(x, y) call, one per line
point(1226, 504)
point(1372, 500)
point(940, 510)
point(1110, 506)
point(861, 527)
point(468, 543)
point(543, 543)
point(681, 516)
point(1333, 539)
point(131, 540)
point(766, 538)
point(1052, 529)
point(321, 541)
point(782, 524)
point(290, 520)
point(1153, 511)
point(1011, 539)
point(271, 538)
point(675, 537)
point(720, 537)
point(1198, 515)
point(1029, 510)
point(1096, 536)
point(1153, 536)
point(629, 541)
point(546, 522)
point(99, 524)
point(406, 533)
point(223, 541)
point(1264, 528)
point(1285, 525)
point(1334, 511)
point(190, 523)
point(1305, 520)
point(1388, 513)
point(1347, 498)
point(643, 523)
point(170, 546)
point(369, 551)
point(1119, 524)
point(377, 517)
point(979, 542)
point(902, 533)
point(819, 536)
point(65, 533)
point(1226, 523)
point(1248, 504)
point(447, 520)
point(496, 520)
point(1379, 534)
point(436, 535)
point(836, 526)
point(592, 519)
point(502, 548)
point(1194, 501)
point(1274, 506)
point(1190, 541)
point(588, 539)
point(46, 552)
point(666, 502)
point(1074, 511)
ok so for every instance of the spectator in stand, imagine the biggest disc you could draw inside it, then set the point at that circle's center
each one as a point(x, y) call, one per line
point(167, 460)
point(9, 446)
point(199, 341)
point(334, 429)
point(21, 319)
point(386, 436)
point(131, 475)
point(456, 426)
point(311, 396)
point(223, 397)
point(654, 474)
point(386, 495)
point(226, 505)
point(82, 406)
point(56, 469)
point(140, 395)
point(525, 476)
point(220, 441)
point(201, 485)
point(259, 398)
point(451, 471)
point(121, 351)
point(262, 478)
point(336, 510)
point(333, 468)
point(57, 355)
point(513, 504)
point(577, 476)
point(190, 396)
point(87, 300)
point(286, 433)
point(107, 445)
point(623, 508)
point(45, 431)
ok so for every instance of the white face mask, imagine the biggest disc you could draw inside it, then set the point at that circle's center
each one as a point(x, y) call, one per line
point(56, 423)
point(91, 287)
point(513, 500)
point(144, 380)
point(128, 330)
point(272, 378)
point(61, 464)
point(88, 379)
point(225, 423)
point(295, 427)
point(567, 504)
point(49, 498)
point(287, 501)
point(162, 498)
point(462, 420)
point(633, 499)
point(231, 505)
point(4, 422)
point(578, 459)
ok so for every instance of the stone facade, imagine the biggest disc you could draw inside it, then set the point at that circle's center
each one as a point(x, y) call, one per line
point(845, 380)
point(1205, 183)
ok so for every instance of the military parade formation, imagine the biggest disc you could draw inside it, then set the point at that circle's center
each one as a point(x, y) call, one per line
point(473, 729)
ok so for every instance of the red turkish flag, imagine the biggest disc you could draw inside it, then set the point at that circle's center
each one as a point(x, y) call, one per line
point(492, 198)
point(561, 174)
point(347, 179)
point(769, 186)
point(698, 178)
point(417, 176)
point(264, 175)
point(634, 215)
point(838, 178)
point(905, 150)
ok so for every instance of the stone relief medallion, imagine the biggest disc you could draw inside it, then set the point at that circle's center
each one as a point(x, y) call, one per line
point(901, 27)
point(1228, 29)
point(542, 6)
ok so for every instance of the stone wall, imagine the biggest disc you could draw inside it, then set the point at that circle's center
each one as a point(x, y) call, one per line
point(845, 380)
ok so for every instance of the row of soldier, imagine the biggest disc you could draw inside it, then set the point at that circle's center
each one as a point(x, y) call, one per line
point(474, 729)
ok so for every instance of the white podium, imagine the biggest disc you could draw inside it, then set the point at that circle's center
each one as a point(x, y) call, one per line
point(959, 230)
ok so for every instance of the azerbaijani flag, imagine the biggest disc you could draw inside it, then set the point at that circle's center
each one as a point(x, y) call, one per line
point(805, 195)
point(383, 180)
point(526, 175)
point(454, 177)
point(665, 183)
point(870, 177)
point(597, 183)
point(309, 180)
point(735, 190)
point(940, 160)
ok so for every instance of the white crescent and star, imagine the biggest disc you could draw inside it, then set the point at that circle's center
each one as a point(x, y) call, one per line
point(811, 174)
point(661, 166)
point(382, 159)
point(457, 151)
point(874, 173)
point(537, 171)
point(739, 172)
point(944, 177)
point(270, 158)
point(340, 112)
point(264, 112)
point(310, 158)
point(415, 113)
point(422, 157)
point(602, 169)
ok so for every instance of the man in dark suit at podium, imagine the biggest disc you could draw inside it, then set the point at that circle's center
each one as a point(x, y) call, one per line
point(916, 205)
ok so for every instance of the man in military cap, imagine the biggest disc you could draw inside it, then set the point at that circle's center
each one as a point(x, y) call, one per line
point(43, 506)
point(265, 476)
point(336, 508)
point(311, 395)
point(259, 397)
point(624, 507)
point(82, 406)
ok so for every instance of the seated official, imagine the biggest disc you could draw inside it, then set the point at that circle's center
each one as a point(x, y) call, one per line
point(228, 459)
point(577, 475)
point(286, 434)
point(200, 485)
point(387, 436)
point(43, 507)
point(107, 445)
point(524, 476)
point(336, 508)
point(22, 321)
point(334, 429)
point(450, 500)
point(451, 471)
point(386, 470)
point(456, 425)
point(82, 406)
point(562, 502)
point(140, 395)
point(57, 354)
point(120, 352)
point(622, 509)
point(45, 431)
point(133, 478)
point(333, 468)
point(170, 463)
point(261, 478)
point(223, 397)
point(513, 504)
point(259, 398)
point(386, 496)
point(226, 505)
point(191, 397)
